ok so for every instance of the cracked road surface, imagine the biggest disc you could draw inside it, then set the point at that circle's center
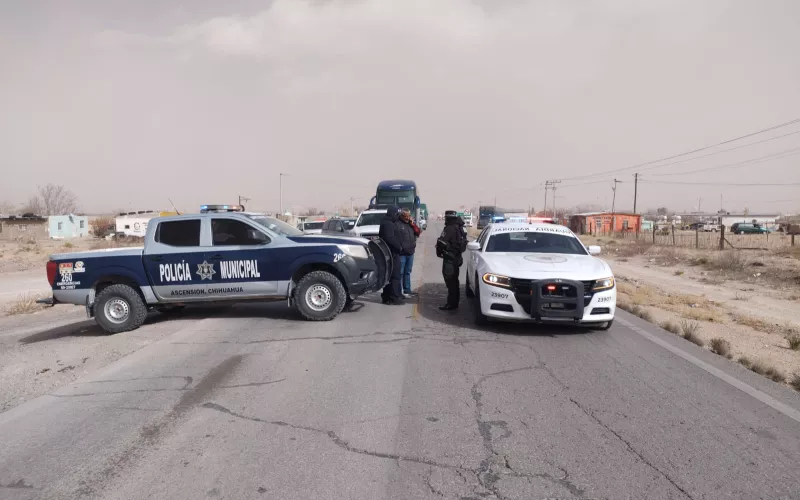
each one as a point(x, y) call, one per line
point(405, 403)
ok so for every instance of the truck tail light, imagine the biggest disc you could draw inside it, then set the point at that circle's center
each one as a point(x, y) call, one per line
point(51, 272)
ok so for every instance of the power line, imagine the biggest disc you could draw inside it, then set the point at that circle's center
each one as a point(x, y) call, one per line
point(744, 184)
point(773, 156)
point(640, 165)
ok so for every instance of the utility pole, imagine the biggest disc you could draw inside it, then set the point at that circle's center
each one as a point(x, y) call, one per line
point(546, 187)
point(550, 185)
point(351, 206)
point(241, 198)
point(635, 190)
point(614, 207)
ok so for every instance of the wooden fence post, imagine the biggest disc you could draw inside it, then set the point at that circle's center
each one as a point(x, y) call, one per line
point(792, 240)
point(673, 235)
point(655, 228)
point(722, 237)
point(697, 238)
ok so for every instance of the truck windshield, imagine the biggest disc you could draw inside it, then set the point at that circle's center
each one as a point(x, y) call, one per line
point(533, 242)
point(312, 225)
point(276, 225)
point(370, 219)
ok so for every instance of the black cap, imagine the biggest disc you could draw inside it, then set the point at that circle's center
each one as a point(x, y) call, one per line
point(450, 213)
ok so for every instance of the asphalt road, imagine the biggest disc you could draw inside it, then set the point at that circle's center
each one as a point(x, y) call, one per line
point(405, 403)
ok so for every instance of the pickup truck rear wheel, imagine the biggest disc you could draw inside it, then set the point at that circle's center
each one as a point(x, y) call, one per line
point(320, 296)
point(119, 308)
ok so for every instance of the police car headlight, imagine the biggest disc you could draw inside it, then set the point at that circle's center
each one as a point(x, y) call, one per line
point(355, 251)
point(497, 280)
point(603, 284)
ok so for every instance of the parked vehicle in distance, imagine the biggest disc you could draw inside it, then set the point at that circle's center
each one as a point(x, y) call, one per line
point(338, 226)
point(368, 224)
point(220, 254)
point(539, 273)
point(311, 225)
point(748, 228)
point(710, 228)
point(423, 224)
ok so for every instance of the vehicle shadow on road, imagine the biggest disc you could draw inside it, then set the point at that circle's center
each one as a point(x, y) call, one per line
point(433, 295)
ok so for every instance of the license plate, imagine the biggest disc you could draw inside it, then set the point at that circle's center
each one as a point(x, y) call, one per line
point(556, 305)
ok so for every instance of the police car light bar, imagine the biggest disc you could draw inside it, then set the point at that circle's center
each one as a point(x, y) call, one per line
point(221, 208)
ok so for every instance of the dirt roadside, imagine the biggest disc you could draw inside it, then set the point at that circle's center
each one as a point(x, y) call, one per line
point(752, 301)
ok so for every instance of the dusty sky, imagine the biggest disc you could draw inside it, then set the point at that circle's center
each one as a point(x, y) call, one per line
point(131, 103)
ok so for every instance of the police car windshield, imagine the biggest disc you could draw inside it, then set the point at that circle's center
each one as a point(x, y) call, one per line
point(371, 219)
point(276, 226)
point(312, 225)
point(534, 242)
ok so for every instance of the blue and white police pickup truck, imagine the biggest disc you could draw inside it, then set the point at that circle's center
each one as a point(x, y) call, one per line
point(220, 254)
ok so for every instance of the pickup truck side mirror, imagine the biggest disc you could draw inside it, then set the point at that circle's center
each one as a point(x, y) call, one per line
point(594, 250)
point(473, 245)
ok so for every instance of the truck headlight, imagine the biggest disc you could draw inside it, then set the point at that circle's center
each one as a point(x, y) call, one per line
point(603, 284)
point(497, 280)
point(355, 251)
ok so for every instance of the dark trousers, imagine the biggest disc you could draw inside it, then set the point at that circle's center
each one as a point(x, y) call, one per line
point(450, 271)
point(393, 290)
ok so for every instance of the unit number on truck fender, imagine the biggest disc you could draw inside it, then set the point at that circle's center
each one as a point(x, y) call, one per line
point(500, 295)
point(337, 257)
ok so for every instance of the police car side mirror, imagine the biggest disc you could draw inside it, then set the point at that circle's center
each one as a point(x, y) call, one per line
point(594, 250)
point(473, 245)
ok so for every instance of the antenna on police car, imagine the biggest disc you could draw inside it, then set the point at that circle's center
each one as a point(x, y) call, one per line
point(174, 207)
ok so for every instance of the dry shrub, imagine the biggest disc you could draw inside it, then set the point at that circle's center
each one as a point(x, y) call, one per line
point(690, 329)
point(753, 322)
point(633, 249)
point(671, 326)
point(700, 314)
point(641, 312)
point(721, 346)
point(24, 304)
point(101, 226)
point(67, 244)
point(727, 260)
point(795, 382)
point(762, 368)
point(679, 273)
point(745, 361)
point(701, 260)
point(794, 341)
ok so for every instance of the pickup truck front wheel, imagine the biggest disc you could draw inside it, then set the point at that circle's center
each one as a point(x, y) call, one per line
point(119, 308)
point(320, 296)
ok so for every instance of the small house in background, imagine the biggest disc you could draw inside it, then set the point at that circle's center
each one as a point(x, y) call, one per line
point(605, 223)
point(68, 226)
point(23, 228)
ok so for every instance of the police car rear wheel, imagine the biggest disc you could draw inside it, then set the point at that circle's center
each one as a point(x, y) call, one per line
point(320, 296)
point(119, 308)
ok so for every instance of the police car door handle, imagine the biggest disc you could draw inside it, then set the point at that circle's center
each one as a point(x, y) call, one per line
point(215, 256)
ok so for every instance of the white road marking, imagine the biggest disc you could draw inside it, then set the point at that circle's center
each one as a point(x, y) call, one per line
point(747, 389)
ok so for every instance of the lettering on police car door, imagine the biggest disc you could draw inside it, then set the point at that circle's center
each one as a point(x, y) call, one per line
point(235, 269)
point(178, 271)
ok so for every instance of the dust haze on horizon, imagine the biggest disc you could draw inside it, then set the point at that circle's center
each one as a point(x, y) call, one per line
point(131, 103)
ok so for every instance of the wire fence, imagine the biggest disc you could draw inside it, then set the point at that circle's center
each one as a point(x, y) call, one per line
point(715, 240)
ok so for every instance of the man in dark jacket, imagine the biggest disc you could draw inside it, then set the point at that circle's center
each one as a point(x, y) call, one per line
point(409, 233)
point(390, 233)
point(449, 247)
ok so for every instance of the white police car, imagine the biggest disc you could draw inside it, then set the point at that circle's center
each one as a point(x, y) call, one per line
point(538, 272)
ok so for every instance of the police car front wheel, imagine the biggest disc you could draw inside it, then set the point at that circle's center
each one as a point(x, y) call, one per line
point(320, 296)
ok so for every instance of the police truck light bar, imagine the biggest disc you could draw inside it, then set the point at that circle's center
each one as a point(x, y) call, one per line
point(221, 208)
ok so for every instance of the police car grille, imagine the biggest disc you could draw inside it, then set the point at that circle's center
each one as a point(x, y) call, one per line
point(522, 292)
